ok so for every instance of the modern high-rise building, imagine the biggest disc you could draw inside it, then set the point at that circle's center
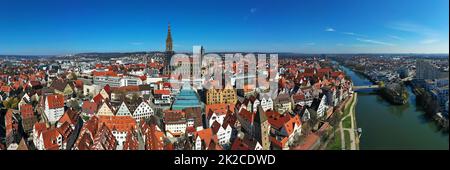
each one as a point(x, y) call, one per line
point(425, 70)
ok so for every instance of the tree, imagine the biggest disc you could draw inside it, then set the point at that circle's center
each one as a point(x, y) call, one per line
point(11, 103)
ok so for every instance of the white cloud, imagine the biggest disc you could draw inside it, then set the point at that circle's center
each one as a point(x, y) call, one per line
point(374, 42)
point(395, 37)
point(353, 34)
point(429, 41)
point(330, 30)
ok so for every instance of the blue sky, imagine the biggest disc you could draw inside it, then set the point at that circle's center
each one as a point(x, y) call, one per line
point(313, 26)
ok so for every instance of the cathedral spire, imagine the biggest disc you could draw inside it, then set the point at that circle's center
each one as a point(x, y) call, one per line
point(169, 43)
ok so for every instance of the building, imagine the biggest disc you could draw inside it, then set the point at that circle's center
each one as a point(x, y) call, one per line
point(120, 127)
point(425, 70)
point(161, 97)
point(175, 122)
point(54, 107)
point(186, 98)
point(217, 96)
point(283, 103)
point(284, 128)
point(143, 111)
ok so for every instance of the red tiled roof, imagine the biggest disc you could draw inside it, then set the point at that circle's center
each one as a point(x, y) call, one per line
point(118, 123)
point(26, 110)
point(248, 116)
point(98, 99)
point(55, 101)
point(105, 73)
point(70, 116)
point(89, 107)
point(276, 119)
point(162, 92)
point(50, 139)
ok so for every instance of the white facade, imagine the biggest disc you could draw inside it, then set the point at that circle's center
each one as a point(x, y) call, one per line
point(176, 128)
point(120, 137)
point(91, 90)
point(267, 104)
point(130, 81)
point(322, 107)
point(123, 110)
point(224, 135)
point(216, 117)
point(143, 111)
point(53, 115)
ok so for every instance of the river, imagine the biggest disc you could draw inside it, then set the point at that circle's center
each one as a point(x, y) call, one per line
point(387, 126)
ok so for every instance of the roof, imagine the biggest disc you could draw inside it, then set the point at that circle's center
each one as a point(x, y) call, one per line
point(55, 101)
point(218, 109)
point(70, 116)
point(50, 139)
point(154, 138)
point(59, 85)
point(194, 113)
point(89, 107)
point(118, 123)
point(276, 119)
point(247, 115)
point(205, 135)
point(247, 143)
point(174, 116)
point(26, 110)
point(161, 92)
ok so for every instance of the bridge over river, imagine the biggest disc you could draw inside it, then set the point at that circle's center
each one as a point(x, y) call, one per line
point(356, 88)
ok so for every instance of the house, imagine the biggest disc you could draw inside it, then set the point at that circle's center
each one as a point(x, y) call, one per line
point(217, 112)
point(120, 126)
point(216, 96)
point(123, 110)
point(12, 120)
point(205, 140)
point(89, 108)
point(194, 117)
point(28, 117)
point(46, 138)
point(143, 111)
point(131, 141)
point(54, 107)
point(106, 110)
point(266, 103)
point(283, 103)
point(161, 97)
point(70, 116)
point(153, 136)
point(62, 87)
point(284, 128)
point(95, 136)
point(175, 122)
point(105, 92)
point(222, 131)
point(246, 143)
point(91, 90)
point(319, 105)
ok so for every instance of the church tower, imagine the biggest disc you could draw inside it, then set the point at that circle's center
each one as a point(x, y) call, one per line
point(169, 53)
point(169, 43)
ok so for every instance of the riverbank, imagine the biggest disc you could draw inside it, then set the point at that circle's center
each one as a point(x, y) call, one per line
point(386, 126)
point(344, 136)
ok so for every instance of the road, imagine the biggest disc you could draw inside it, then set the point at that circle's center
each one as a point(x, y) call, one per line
point(353, 138)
